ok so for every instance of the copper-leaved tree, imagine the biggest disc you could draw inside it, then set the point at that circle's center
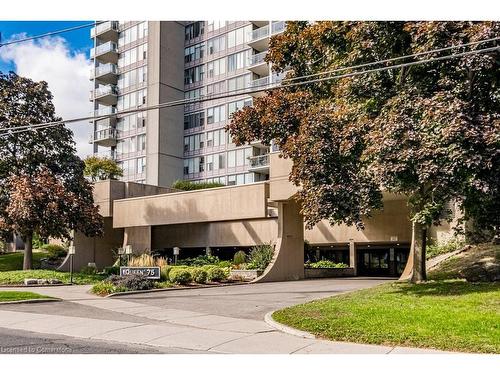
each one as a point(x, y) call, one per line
point(430, 131)
point(42, 186)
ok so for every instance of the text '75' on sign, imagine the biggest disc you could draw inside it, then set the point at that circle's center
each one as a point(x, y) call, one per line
point(147, 272)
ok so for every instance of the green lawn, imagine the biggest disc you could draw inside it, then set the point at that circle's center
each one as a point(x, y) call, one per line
point(19, 296)
point(14, 261)
point(17, 277)
point(449, 315)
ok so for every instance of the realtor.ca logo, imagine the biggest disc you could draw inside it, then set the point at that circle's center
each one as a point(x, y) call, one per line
point(35, 350)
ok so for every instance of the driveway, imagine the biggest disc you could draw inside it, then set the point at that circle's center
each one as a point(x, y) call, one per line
point(225, 319)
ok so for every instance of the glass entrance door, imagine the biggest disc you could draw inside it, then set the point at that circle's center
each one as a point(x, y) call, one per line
point(373, 262)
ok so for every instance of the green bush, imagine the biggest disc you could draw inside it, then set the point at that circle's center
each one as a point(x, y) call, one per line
point(111, 270)
point(180, 276)
point(130, 282)
point(199, 275)
point(239, 258)
point(199, 261)
point(435, 250)
point(224, 264)
point(188, 185)
point(325, 264)
point(55, 251)
point(260, 257)
point(87, 270)
point(216, 274)
point(164, 272)
point(104, 288)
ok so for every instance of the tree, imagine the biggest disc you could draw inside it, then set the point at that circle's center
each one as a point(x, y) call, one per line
point(33, 154)
point(429, 132)
point(97, 168)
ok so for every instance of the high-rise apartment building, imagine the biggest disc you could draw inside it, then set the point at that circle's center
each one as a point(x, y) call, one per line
point(146, 63)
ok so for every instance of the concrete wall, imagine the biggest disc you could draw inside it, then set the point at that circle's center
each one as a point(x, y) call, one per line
point(281, 189)
point(220, 234)
point(165, 131)
point(208, 205)
point(392, 221)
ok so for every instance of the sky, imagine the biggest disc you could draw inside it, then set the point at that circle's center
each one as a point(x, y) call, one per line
point(61, 60)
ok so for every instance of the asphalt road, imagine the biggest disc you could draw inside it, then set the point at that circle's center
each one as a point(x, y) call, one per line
point(23, 342)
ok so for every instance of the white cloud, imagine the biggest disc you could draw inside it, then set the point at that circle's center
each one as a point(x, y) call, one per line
point(67, 75)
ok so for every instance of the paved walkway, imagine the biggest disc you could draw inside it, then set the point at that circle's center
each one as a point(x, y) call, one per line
point(217, 320)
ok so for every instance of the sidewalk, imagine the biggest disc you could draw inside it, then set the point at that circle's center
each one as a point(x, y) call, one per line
point(177, 328)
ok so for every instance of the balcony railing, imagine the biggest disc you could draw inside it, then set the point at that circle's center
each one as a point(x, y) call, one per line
point(260, 161)
point(259, 33)
point(104, 111)
point(104, 48)
point(105, 90)
point(277, 27)
point(257, 58)
point(103, 28)
point(273, 80)
point(106, 69)
point(107, 136)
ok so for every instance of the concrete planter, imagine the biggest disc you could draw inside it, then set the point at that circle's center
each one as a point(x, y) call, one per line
point(316, 273)
point(246, 275)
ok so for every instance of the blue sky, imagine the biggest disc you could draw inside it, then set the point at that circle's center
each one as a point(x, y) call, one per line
point(78, 40)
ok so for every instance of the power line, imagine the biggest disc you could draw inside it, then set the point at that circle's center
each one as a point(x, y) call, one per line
point(50, 33)
point(26, 128)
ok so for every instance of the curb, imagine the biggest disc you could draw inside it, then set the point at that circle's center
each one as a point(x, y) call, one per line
point(34, 285)
point(131, 292)
point(38, 300)
point(268, 318)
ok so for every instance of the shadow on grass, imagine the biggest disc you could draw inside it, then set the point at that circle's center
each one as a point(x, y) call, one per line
point(445, 288)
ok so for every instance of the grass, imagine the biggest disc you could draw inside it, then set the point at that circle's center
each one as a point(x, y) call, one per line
point(8, 296)
point(480, 263)
point(17, 277)
point(450, 315)
point(14, 261)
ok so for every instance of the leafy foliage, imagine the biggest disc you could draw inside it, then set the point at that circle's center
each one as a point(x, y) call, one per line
point(36, 167)
point(325, 264)
point(239, 257)
point(130, 282)
point(216, 274)
point(199, 261)
point(180, 276)
point(430, 132)
point(98, 168)
point(260, 256)
point(199, 275)
point(55, 251)
point(189, 185)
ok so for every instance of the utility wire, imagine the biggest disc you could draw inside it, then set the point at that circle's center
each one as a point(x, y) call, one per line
point(50, 33)
point(246, 92)
point(184, 101)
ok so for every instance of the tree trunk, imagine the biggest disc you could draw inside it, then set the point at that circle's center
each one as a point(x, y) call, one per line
point(419, 237)
point(28, 252)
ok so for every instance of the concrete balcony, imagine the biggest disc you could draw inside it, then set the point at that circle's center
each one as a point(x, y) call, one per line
point(105, 111)
point(277, 27)
point(109, 122)
point(106, 53)
point(105, 31)
point(259, 164)
point(104, 137)
point(265, 83)
point(259, 38)
point(260, 23)
point(105, 94)
point(257, 64)
point(106, 73)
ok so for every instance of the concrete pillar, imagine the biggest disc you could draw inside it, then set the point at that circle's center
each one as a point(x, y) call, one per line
point(139, 238)
point(208, 250)
point(288, 259)
point(353, 261)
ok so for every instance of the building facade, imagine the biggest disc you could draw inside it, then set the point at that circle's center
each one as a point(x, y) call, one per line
point(146, 63)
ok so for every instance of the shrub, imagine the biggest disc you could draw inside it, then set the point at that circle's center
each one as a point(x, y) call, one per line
point(260, 257)
point(224, 264)
point(104, 288)
point(180, 276)
point(216, 274)
point(88, 270)
point(55, 251)
point(435, 250)
point(325, 264)
point(188, 185)
point(164, 271)
point(111, 270)
point(199, 261)
point(239, 258)
point(130, 282)
point(199, 275)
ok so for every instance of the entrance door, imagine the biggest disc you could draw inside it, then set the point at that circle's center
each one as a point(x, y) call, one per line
point(373, 262)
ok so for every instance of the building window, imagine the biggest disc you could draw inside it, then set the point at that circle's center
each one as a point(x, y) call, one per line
point(216, 68)
point(194, 53)
point(238, 36)
point(194, 142)
point(194, 30)
point(238, 60)
point(216, 114)
point(237, 105)
point(141, 165)
point(194, 120)
point(194, 74)
point(215, 25)
point(238, 83)
point(217, 44)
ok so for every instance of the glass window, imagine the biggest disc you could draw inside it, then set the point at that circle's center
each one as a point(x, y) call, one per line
point(194, 30)
point(231, 159)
